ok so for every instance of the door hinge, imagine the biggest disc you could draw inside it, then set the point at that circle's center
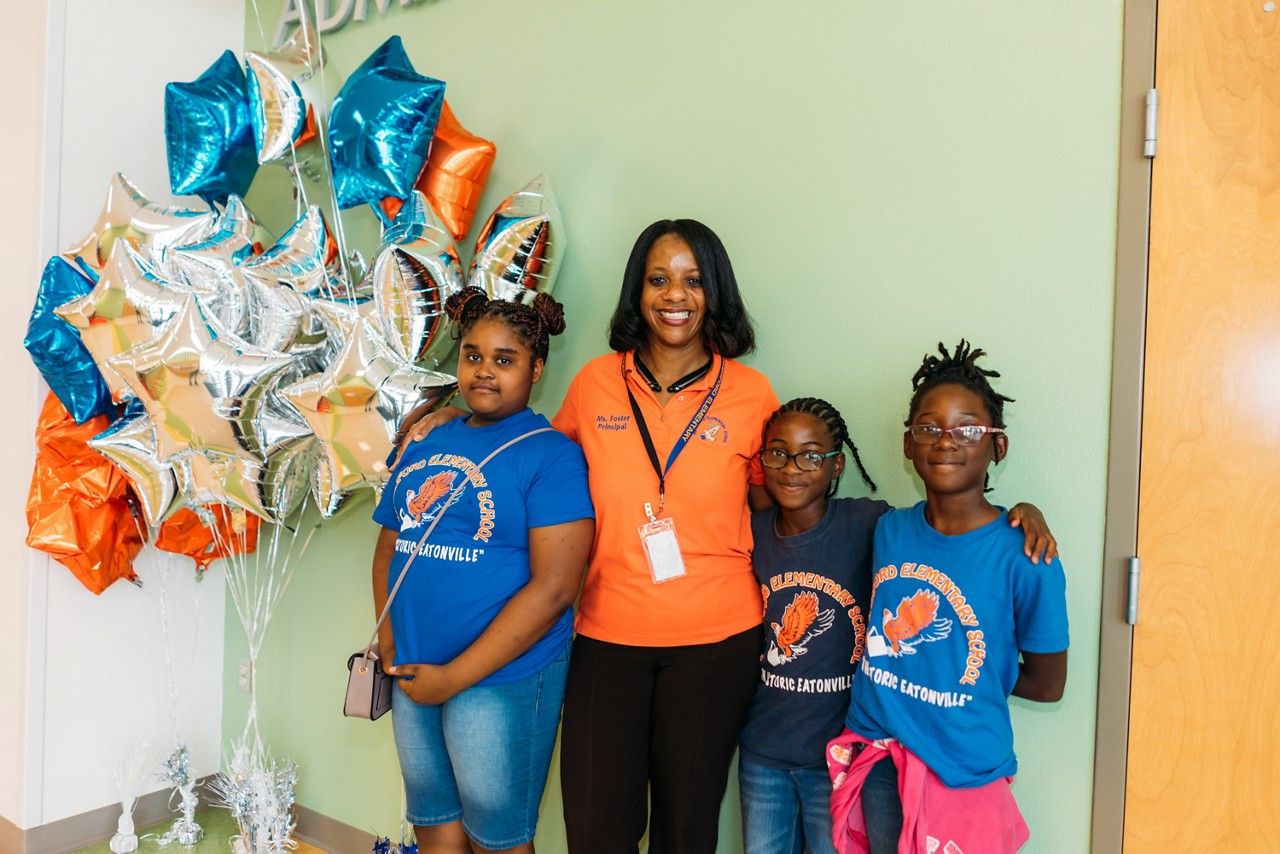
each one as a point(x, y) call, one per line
point(1153, 110)
point(1131, 608)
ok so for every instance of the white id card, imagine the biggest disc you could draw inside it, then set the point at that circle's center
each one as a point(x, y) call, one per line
point(662, 550)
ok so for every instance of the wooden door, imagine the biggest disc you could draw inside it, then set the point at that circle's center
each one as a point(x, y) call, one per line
point(1204, 739)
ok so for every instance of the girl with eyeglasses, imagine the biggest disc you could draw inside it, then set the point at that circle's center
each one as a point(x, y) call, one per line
point(960, 619)
point(812, 559)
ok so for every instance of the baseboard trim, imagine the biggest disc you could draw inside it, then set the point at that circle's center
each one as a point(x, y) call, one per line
point(10, 837)
point(329, 834)
point(88, 828)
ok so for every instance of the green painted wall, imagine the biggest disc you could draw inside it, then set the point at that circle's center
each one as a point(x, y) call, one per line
point(885, 175)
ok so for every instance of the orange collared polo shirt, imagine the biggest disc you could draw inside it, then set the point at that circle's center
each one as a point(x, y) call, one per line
point(706, 496)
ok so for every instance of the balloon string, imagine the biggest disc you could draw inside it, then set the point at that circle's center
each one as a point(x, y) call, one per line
point(256, 590)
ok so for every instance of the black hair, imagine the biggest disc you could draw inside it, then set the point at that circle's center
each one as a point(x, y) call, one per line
point(958, 368)
point(533, 323)
point(727, 328)
point(829, 417)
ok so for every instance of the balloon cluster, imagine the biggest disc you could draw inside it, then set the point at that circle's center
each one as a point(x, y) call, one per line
point(234, 376)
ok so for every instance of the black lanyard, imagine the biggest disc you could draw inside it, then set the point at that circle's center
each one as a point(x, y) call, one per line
point(684, 437)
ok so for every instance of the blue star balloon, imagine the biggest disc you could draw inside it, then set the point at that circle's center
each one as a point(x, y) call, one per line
point(381, 127)
point(56, 348)
point(209, 134)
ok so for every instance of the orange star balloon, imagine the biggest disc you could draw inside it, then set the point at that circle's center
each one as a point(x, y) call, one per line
point(233, 532)
point(455, 175)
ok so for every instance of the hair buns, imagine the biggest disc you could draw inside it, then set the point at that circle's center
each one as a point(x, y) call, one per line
point(550, 312)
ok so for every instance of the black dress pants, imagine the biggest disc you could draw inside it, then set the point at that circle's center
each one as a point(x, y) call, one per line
point(652, 725)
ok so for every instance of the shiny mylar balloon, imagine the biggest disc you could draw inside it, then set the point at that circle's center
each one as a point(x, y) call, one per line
point(306, 258)
point(381, 126)
point(519, 249)
point(126, 212)
point(354, 408)
point(130, 443)
point(192, 379)
point(412, 276)
point(456, 173)
point(282, 118)
point(186, 533)
point(77, 509)
point(124, 309)
point(208, 133)
point(55, 346)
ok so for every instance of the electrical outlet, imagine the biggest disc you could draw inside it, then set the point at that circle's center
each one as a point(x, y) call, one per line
point(244, 676)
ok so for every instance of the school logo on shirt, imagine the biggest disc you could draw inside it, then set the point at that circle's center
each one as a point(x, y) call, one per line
point(713, 430)
point(801, 622)
point(915, 622)
point(423, 504)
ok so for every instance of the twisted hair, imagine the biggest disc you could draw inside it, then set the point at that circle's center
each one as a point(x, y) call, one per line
point(829, 417)
point(534, 323)
point(959, 368)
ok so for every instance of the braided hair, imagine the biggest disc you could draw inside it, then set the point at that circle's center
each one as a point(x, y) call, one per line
point(829, 417)
point(533, 324)
point(958, 368)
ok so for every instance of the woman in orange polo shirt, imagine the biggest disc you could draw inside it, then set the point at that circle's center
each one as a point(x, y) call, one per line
point(667, 653)
point(668, 630)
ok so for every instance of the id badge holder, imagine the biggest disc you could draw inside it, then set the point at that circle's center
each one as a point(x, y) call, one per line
point(661, 548)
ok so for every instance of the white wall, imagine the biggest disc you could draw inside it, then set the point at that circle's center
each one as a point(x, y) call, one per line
point(21, 104)
point(98, 680)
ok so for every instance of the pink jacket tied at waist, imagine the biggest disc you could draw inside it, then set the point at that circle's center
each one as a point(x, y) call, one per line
point(935, 818)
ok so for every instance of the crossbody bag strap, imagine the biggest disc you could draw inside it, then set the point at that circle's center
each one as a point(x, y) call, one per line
point(453, 496)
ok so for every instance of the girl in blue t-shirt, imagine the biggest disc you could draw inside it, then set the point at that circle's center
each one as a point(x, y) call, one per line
point(479, 630)
point(955, 603)
point(812, 559)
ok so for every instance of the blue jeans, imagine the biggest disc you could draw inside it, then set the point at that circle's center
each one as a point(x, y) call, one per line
point(482, 756)
point(785, 812)
point(882, 807)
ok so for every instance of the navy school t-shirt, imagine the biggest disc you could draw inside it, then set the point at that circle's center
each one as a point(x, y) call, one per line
point(477, 557)
point(816, 588)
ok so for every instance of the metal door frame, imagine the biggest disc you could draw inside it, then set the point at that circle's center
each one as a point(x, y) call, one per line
point(1115, 649)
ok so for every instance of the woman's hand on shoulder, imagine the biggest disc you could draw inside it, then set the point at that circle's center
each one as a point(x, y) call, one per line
point(419, 423)
point(1039, 541)
point(425, 684)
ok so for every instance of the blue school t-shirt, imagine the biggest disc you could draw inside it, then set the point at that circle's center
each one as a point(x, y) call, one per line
point(816, 587)
point(477, 557)
point(948, 617)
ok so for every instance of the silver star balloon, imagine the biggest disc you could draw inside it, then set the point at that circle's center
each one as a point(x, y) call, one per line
point(125, 308)
point(193, 378)
point(130, 443)
point(354, 406)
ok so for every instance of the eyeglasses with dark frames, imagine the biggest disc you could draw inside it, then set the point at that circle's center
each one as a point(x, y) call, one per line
point(776, 458)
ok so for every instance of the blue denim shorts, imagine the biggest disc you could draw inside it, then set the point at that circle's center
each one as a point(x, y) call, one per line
point(482, 756)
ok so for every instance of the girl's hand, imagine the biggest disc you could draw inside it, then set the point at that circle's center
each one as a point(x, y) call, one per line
point(418, 423)
point(425, 684)
point(1039, 540)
